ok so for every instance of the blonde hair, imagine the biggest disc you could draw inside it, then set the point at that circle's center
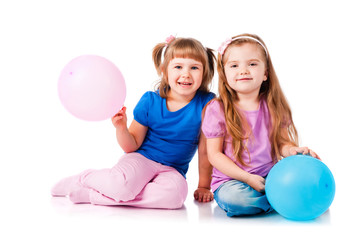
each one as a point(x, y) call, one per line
point(279, 109)
point(182, 48)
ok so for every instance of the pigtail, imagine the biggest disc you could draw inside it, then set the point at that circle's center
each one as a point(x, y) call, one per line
point(211, 63)
point(157, 57)
point(208, 70)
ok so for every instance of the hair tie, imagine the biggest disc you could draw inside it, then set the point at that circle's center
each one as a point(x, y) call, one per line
point(228, 41)
point(169, 39)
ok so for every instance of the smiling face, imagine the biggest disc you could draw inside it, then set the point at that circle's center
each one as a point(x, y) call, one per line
point(184, 77)
point(245, 69)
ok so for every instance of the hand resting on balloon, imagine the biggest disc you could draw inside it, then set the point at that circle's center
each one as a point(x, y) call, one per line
point(289, 149)
point(292, 150)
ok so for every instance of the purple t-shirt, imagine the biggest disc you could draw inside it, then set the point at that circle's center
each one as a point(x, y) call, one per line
point(259, 146)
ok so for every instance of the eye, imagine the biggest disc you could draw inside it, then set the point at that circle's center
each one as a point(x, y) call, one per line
point(177, 67)
point(233, 66)
point(195, 68)
point(253, 64)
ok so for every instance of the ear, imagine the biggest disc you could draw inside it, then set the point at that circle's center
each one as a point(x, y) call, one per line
point(162, 70)
point(265, 77)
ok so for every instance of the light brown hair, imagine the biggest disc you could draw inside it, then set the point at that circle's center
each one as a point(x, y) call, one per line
point(279, 109)
point(183, 48)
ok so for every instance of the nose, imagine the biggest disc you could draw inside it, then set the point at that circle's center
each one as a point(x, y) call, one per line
point(185, 73)
point(243, 70)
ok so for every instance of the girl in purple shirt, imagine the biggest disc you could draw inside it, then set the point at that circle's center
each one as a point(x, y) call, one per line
point(248, 128)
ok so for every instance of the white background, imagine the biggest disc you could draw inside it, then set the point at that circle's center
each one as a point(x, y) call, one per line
point(315, 48)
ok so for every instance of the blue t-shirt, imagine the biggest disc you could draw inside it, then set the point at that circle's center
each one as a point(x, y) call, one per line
point(172, 137)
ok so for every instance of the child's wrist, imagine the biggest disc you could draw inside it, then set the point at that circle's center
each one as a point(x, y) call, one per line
point(286, 150)
point(247, 177)
point(204, 186)
point(121, 129)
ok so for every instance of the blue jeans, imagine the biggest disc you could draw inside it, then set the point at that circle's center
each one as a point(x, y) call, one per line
point(237, 198)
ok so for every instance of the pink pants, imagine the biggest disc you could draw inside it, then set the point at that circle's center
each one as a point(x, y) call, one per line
point(135, 181)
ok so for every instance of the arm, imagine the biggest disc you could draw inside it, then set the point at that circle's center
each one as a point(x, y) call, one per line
point(203, 193)
point(128, 139)
point(224, 164)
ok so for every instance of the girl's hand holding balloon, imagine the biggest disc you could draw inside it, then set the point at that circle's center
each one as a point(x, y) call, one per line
point(119, 120)
point(292, 150)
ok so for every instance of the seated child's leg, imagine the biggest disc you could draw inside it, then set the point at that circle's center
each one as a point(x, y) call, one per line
point(124, 181)
point(238, 198)
point(67, 185)
point(80, 195)
point(167, 190)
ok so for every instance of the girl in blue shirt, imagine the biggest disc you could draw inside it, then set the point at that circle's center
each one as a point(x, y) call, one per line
point(161, 140)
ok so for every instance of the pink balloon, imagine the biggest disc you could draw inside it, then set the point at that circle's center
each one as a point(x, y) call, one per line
point(91, 88)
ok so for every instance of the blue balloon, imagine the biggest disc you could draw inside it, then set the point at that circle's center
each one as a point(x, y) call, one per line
point(300, 187)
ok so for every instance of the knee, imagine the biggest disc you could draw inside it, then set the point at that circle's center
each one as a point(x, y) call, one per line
point(232, 200)
point(175, 194)
point(237, 206)
point(177, 199)
point(111, 184)
point(237, 203)
point(120, 191)
point(172, 201)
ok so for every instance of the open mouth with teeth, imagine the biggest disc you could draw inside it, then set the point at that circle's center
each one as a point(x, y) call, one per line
point(185, 83)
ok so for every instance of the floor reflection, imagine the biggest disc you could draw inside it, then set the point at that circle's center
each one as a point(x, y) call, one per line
point(192, 211)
